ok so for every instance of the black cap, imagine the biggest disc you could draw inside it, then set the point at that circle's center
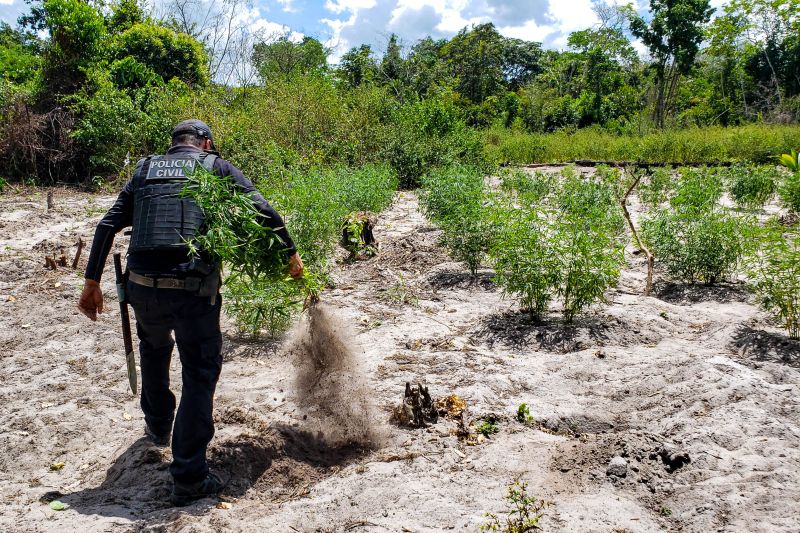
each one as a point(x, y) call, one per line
point(197, 127)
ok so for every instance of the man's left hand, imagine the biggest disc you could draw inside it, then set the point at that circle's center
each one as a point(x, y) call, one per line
point(296, 266)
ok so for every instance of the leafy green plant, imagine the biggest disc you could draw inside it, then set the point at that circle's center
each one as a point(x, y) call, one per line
point(697, 188)
point(523, 263)
point(751, 186)
point(524, 414)
point(522, 515)
point(488, 426)
point(655, 187)
point(696, 238)
point(588, 242)
point(789, 191)
point(532, 186)
point(259, 291)
point(694, 244)
point(569, 244)
point(401, 293)
point(456, 198)
point(776, 274)
point(3, 184)
point(791, 161)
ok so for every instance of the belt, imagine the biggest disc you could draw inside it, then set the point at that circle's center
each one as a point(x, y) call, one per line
point(188, 284)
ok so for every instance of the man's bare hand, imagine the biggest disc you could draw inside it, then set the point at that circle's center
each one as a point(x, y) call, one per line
point(91, 301)
point(296, 266)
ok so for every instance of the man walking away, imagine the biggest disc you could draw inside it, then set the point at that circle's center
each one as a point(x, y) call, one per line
point(173, 292)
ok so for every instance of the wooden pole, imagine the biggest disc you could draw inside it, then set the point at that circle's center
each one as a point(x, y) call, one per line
point(650, 258)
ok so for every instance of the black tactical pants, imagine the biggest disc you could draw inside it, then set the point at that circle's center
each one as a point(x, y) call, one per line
point(195, 322)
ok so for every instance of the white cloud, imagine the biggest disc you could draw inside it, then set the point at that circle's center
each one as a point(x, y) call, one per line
point(352, 6)
point(572, 15)
point(529, 31)
point(267, 29)
point(6, 2)
point(287, 6)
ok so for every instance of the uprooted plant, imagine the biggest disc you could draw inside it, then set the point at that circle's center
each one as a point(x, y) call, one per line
point(257, 289)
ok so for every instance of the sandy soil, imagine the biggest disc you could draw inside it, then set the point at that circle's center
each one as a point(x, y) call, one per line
point(694, 387)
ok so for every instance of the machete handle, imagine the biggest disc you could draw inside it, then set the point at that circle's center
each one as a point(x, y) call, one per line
point(120, 278)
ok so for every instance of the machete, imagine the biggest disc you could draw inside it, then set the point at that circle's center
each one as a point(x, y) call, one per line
point(126, 323)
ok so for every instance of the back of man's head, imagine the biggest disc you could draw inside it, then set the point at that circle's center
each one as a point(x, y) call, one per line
point(192, 132)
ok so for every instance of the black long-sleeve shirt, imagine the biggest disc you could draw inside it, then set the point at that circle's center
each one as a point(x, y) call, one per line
point(173, 264)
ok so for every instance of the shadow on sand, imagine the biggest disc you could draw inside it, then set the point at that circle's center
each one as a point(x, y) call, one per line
point(279, 463)
point(764, 346)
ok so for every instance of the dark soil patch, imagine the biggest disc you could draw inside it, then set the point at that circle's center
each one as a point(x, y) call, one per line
point(760, 345)
point(684, 294)
point(516, 329)
point(461, 280)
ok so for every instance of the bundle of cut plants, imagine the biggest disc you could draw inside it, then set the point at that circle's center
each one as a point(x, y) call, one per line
point(258, 292)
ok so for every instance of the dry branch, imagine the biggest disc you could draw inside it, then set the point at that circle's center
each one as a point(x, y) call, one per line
point(77, 254)
point(650, 259)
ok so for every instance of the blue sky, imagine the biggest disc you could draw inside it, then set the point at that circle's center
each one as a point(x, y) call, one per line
point(341, 24)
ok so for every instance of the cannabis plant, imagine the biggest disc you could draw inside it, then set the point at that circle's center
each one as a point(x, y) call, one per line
point(751, 186)
point(776, 274)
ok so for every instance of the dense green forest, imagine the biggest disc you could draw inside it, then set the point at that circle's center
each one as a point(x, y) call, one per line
point(87, 88)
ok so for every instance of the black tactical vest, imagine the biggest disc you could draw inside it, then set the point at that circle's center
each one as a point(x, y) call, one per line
point(163, 219)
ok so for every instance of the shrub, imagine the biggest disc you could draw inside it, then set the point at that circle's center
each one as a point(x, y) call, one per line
point(522, 515)
point(532, 186)
point(789, 192)
point(430, 134)
point(695, 237)
point(368, 188)
point(654, 189)
point(522, 258)
point(698, 188)
point(696, 244)
point(751, 186)
point(456, 199)
point(776, 275)
point(568, 244)
point(588, 242)
point(163, 51)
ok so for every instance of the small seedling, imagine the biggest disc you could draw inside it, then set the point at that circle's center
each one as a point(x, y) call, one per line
point(522, 515)
point(524, 414)
point(488, 426)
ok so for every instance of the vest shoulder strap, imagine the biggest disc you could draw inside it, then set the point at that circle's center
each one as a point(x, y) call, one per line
point(208, 160)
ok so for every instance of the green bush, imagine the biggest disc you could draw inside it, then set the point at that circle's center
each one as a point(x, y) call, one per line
point(654, 189)
point(429, 134)
point(165, 52)
point(532, 186)
point(567, 244)
point(776, 275)
point(697, 188)
point(696, 244)
point(751, 186)
point(755, 142)
point(695, 237)
point(589, 242)
point(456, 199)
point(789, 192)
point(524, 264)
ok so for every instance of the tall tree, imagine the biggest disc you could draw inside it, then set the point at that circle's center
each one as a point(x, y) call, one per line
point(357, 66)
point(673, 36)
point(475, 58)
point(285, 59)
